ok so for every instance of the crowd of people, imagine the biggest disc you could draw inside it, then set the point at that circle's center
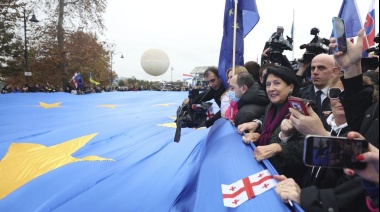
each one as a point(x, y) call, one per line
point(340, 101)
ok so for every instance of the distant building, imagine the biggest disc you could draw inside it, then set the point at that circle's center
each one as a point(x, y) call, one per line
point(198, 75)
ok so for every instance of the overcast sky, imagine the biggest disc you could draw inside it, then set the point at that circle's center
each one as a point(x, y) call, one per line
point(190, 32)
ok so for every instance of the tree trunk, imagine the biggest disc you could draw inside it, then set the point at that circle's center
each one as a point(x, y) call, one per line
point(61, 45)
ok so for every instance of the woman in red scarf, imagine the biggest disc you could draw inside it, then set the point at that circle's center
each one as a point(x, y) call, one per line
point(286, 157)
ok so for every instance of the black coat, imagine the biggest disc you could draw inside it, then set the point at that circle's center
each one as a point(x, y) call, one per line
point(308, 92)
point(348, 197)
point(361, 114)
point(252, 105)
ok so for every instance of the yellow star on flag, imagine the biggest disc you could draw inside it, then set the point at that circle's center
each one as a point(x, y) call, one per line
point(26, 161)
point(164, 105)
point(48, 106)
point(108, 106)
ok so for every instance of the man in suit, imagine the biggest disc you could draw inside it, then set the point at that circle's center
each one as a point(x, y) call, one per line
point(323, 68)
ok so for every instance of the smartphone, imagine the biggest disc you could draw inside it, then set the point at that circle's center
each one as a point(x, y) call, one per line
point(298, 104)
point(340, 34)
point(334, 152)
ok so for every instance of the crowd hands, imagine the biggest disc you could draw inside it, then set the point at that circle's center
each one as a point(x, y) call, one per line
point(340, 101)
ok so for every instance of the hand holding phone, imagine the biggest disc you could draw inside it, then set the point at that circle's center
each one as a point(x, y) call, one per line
point(298, 104)
point(339, 30)
point(334, 152)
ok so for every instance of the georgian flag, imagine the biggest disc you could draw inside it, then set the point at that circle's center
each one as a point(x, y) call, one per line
point(245, 189)
point(210, 113)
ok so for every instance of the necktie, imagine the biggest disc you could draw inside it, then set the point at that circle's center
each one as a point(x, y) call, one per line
point(318, 100)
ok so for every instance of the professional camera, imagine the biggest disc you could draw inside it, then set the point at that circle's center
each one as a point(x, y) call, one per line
point(191, 115)
point(371, 63)
point(278, 45)
point(315, 47)
point(376, 48)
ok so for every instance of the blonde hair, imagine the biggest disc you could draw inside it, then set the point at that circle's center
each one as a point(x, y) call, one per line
point(238, 70)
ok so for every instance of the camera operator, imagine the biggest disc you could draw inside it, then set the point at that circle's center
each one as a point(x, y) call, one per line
point(316, 46)
point(215, 91)
point(274, 48)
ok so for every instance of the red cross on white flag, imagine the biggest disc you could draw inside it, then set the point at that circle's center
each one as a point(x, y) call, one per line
point(245, 189)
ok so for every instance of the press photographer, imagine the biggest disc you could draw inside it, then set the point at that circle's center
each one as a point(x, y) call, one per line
point(215, 91)
point(194, 112)
point(274, 48)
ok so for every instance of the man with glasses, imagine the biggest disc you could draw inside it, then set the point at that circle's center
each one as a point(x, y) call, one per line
point(323, 68)
point(215, 91)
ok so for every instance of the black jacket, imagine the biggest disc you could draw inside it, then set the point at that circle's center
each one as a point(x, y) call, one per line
point(308, 92)
point(348, 197)
point(207, 96)
point(252, 105)
point(361, 114)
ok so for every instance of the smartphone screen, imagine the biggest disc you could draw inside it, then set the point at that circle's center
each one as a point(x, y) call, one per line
point(340, 34)
point(334, 152)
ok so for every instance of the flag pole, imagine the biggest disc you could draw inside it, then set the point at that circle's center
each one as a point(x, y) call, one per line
point(234, 39)
point(293, 33)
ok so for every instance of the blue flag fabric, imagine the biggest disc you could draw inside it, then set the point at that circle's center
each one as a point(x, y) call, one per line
point(247, 18)
point(349, 13)
point(144, 171)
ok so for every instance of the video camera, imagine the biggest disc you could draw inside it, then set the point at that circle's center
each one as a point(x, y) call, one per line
point(191, 115)
point(315, 47)
point(278, 45)
point(371, 63)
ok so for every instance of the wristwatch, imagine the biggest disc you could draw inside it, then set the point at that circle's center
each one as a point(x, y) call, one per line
point(258, 122)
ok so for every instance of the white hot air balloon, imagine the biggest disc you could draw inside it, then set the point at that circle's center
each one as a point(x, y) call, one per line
point(155, 62)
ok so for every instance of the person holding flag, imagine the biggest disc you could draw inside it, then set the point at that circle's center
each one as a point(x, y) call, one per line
point(93, 81)
point(78, 80)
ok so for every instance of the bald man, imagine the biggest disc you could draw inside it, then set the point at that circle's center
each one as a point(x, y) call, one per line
point(323, 68)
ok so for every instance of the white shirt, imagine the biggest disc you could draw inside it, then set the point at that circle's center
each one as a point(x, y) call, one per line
point(324, 92)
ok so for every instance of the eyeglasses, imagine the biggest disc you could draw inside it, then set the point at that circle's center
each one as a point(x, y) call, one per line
point(334, 93)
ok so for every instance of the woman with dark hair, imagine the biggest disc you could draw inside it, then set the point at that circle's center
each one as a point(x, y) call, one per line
point(286, 156)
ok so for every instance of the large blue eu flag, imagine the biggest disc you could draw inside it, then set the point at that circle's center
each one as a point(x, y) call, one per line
point(247, 18)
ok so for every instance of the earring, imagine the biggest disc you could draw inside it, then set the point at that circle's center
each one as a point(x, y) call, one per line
point(290, 92)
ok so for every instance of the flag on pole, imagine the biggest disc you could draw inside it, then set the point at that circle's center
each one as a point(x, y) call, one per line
point(292, 30)
point(370, 29)
point(350, 14)
point(78, 80)
point(245, 189)
point(292, 33)
point(247, 18)
point(93, 81)
point(187, 77)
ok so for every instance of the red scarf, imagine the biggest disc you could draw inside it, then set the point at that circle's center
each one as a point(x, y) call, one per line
point(272, 121)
